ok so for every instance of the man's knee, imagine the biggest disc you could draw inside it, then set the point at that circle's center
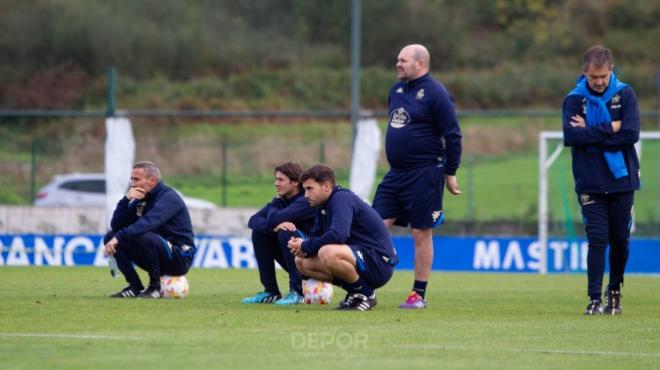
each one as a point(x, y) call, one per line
point(620, 241)
point(331, 255)
point(422, 235)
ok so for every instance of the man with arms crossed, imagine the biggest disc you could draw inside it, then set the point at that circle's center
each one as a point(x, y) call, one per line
point(423, 147)
point(601, 125)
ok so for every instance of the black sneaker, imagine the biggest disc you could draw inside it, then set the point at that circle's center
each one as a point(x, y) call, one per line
point(150, 293)
point(360, 302)
point(127, 292)
point(345, 303)
point(594, 308)
point(613, 306)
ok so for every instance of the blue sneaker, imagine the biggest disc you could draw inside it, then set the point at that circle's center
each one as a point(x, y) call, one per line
point(261, 297)
point(291, 298)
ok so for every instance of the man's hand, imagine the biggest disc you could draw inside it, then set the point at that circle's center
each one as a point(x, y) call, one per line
point(111, 247)
point(616, 126)
point(288, 226)
point(578, 121)
point(452, 185)
point(295, 246)
point(136, 193)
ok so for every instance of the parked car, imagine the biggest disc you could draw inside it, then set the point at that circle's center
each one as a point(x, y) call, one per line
point(88, 190)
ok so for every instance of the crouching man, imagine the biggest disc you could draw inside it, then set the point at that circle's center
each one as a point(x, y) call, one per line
point(151, 228)
point(349, 245)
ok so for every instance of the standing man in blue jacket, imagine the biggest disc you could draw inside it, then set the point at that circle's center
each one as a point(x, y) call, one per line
point(272, 227)
point(151, 228)
point(423, 148)
point(349, 245)
point(601, 125)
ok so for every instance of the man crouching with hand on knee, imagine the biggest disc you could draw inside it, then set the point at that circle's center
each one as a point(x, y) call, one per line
point(349, 245)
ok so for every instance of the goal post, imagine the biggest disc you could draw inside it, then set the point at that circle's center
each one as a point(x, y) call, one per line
point(545, 162)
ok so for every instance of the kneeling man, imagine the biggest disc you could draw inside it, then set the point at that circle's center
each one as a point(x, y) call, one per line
point(349, 244)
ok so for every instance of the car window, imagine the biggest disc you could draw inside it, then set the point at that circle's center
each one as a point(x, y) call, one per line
point(89, 186)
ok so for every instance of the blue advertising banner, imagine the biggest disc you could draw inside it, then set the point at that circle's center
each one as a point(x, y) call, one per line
point(451, 253)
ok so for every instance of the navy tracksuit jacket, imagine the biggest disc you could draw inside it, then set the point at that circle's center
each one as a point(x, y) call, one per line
point(155, 233)
point(605, 201)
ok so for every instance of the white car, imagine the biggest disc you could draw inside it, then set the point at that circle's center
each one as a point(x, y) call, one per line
point(88, 190)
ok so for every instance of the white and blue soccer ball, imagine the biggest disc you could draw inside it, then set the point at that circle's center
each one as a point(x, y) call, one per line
point(176, 287)
point(317, 292)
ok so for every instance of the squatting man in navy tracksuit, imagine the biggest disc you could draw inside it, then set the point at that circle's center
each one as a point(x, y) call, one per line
point(349, 245)
point(601, 124)
point(423, 147)
point(272, 227)
point(151, 228)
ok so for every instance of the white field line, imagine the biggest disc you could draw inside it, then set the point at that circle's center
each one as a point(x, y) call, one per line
point(69, 336)
point(526, 350)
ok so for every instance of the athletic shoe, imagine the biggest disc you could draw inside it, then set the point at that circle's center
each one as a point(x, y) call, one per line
point(127, 292)
point(594, 308)
point(150, 293)
point(345, 303)
point(290, 299)
point(261, 297)
point(413, 301)
point(613, 306)
point(360, 302)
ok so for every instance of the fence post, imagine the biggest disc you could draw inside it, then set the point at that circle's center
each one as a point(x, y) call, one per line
point(33, 172)
point(322, 151)
point(223, 199)
point(470, 192)
point(111, 92)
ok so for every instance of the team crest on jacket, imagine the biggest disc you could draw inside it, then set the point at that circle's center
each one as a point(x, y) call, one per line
point(616, 102)
point(420, 94)
point(399, 118)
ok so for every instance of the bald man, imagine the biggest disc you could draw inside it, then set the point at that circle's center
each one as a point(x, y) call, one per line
point(423, 147)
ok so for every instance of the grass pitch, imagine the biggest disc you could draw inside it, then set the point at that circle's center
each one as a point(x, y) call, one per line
point(60, 318)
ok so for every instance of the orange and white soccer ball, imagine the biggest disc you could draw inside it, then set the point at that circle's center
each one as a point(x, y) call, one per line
point(174, 286)
point(317, 292)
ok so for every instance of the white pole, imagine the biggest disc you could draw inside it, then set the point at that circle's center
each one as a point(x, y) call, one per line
point(543, 205)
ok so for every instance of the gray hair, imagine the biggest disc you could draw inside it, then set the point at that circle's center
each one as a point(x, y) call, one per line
point(150, 168)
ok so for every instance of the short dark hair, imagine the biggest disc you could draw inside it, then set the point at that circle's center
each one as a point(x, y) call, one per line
point(599, 56)
point(320, 174)
point(150, 168)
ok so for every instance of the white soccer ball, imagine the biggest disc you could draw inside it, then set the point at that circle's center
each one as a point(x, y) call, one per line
point(317, 292)
point(174, 286)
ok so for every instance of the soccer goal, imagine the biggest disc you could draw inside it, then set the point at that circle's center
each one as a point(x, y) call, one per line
point(558, 211)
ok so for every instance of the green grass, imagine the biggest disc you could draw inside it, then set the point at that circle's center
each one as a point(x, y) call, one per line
point(497, 321)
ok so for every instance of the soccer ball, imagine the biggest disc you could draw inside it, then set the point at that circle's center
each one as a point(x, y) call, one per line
point(173, 286)
point(317, 292)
